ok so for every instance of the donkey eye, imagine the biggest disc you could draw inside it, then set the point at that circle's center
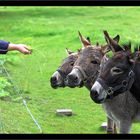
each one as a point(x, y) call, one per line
point(94, 62)
point(116, 70)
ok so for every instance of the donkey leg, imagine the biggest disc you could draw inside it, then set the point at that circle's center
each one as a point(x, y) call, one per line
point(115, 128)
point(110, 129)
point(125, 126)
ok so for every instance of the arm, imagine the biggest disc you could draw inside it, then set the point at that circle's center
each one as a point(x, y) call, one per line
point(19, 47)
point(4, 46)
point(7, 46)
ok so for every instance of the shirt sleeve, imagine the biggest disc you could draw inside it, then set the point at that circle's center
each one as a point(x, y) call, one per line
point(4, 46)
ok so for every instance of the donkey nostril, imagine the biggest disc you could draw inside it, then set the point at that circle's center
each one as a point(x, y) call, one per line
point(72, 78)
point(94, 94)
point(76, 78)
point(53, 79)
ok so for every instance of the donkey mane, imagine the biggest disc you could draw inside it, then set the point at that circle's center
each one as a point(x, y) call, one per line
point(127, 46)
point(136, 86)
point(137, 48)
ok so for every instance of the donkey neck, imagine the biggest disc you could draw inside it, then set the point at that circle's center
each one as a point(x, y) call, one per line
point(89, 83)
point(135, 89)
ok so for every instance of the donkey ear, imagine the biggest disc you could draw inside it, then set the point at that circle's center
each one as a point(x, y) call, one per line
point(105, 49)
point(69, 52)
point(84, 41)
point(114, 46)
point(117, 38)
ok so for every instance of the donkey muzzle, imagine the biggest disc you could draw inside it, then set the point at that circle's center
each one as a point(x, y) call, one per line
point(97, 93)
point(72, 80)
point(95, 97)
point(53, 81)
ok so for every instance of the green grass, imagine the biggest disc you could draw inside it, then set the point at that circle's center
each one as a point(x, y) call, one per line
point(49, 30)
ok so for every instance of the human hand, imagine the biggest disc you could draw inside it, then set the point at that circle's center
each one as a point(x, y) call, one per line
point(21, 48)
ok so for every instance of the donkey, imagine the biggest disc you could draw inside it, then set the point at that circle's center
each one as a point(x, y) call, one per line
point(58, 77)
point(86, 67)
point(117, 86)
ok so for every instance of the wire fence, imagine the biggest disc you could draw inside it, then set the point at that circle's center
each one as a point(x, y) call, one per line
point(17, 90)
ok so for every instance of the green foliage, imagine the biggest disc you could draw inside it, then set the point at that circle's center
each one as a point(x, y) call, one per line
point(3, 84)
point(49, 30)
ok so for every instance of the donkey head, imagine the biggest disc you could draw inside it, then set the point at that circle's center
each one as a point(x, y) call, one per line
point(58, 78)
point(88, 63)
point(116, 74)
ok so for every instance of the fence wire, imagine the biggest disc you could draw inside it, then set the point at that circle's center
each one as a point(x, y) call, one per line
point(18, 91)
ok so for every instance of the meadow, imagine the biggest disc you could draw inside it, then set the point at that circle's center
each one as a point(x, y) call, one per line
point(49, 30)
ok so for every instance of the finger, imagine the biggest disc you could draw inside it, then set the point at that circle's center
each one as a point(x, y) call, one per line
point(28, 48)
point(27, 52)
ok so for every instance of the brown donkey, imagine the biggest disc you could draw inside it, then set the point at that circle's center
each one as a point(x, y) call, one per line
point(58, 78)
point(86, 67)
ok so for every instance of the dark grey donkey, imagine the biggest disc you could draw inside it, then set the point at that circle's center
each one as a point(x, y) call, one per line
point(85, 70)
point(59, 76)
point(118, 85)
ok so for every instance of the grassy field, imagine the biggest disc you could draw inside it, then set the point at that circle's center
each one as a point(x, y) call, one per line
point(49, 30)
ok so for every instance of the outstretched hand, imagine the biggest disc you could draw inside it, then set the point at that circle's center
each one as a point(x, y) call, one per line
point(20, 47)
point(23, 49)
